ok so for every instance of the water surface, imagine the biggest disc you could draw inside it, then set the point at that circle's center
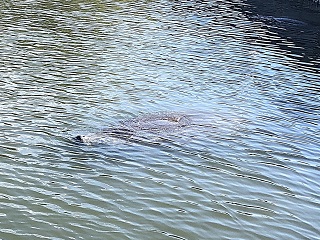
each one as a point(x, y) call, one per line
point(246, 168)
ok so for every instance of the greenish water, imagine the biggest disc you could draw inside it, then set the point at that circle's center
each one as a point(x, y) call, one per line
point(246, 168)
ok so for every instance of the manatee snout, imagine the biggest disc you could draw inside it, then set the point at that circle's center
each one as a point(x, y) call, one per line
point(78, 138)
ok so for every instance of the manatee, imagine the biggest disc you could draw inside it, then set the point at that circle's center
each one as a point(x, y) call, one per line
point(138, 129)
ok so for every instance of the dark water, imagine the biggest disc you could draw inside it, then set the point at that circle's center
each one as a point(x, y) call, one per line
point(247, 76)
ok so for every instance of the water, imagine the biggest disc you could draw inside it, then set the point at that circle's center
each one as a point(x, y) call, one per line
point(246, 168)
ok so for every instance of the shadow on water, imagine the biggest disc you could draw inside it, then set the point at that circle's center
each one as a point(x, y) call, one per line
point(293, 26)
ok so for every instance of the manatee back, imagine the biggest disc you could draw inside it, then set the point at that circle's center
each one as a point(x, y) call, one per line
point(159, 122)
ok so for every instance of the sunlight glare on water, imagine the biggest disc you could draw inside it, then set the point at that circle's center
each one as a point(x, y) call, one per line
point(245, 166)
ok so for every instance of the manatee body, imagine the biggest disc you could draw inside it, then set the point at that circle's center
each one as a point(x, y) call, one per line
point(137, 129)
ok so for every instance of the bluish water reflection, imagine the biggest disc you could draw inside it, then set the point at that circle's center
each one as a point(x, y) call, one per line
point(247, 167)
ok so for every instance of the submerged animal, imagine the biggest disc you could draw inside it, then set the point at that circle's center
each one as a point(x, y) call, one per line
point(139, 128)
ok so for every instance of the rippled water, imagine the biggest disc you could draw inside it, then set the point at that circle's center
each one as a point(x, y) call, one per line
point(246, 168)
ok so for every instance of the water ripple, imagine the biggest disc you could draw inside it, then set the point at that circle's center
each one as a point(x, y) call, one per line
point(247, 167)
